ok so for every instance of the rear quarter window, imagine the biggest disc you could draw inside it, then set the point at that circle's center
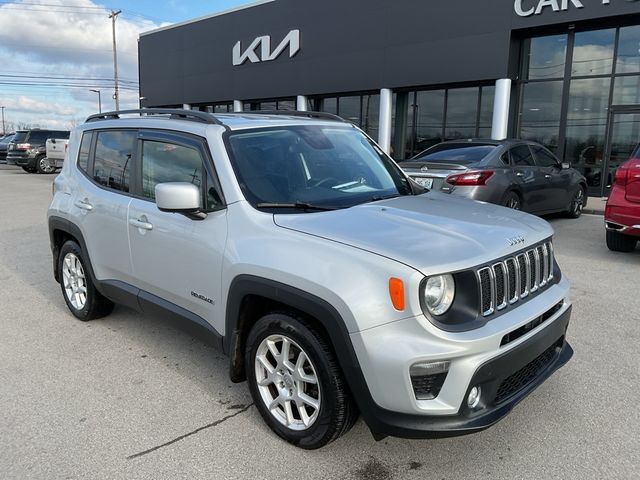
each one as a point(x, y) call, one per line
point(83, 154)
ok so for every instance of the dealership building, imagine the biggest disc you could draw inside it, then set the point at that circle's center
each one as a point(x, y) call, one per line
point(411, 73)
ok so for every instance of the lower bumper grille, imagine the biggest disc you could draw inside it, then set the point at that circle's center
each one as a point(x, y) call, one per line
point(427, 387)
point(520, 379)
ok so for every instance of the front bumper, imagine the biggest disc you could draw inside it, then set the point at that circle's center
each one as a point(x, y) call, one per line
point(548, 346)
point(505, 373)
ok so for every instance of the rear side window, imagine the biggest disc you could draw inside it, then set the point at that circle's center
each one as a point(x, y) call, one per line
point(112, 162)
point(85, 146)
point(20, 137)
point(521, 156)
point(37, 138)
point(544, 158)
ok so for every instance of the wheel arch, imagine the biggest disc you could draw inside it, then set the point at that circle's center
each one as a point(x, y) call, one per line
point(61, 230)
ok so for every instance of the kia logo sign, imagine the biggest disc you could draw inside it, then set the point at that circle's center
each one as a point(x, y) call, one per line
point(264, 53)
point(526, 8)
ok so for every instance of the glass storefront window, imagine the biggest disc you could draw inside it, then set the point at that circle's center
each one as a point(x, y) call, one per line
point(371, 115)
point(626, 90)
point(462, 113)
point(329, 105)
point(629, 50)
point(540, 113)
point(545, 57)
point(593, 53)
point(349, 108)
point(486, 112)
point(586, 127)
point(429, 120)
point(286, 105)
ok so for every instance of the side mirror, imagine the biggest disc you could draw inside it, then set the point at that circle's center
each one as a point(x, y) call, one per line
point(179, 197)
point(566, 166)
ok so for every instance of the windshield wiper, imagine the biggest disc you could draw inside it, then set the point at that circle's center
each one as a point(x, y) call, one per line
point(297, 205)
point(382, 197)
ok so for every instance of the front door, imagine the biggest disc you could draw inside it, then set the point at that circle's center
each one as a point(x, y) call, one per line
point(622, 138)
point(176, 257)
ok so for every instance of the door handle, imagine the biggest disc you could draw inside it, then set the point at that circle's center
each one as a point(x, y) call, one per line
point(546, 175)
point(84, 205)
point(520, 174)
point(141, 223)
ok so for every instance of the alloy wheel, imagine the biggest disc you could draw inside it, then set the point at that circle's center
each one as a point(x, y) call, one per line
point(578, 201)
point(45, 165)
point(513, 202)
point(287, 382)
point(74, 281)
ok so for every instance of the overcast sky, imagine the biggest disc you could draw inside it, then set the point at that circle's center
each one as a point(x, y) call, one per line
point(63, 48)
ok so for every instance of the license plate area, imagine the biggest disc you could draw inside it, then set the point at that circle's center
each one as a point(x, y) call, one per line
point(424, 182)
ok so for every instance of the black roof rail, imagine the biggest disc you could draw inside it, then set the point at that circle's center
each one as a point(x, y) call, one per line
point(174, 113)
point(293, 113)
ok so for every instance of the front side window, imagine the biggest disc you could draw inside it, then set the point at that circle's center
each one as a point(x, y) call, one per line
point(164, 162)
point(112, 163)
point(544, 158)
point(334, 167)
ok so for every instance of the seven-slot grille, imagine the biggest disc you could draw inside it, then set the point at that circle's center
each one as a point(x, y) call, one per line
point(514, 278)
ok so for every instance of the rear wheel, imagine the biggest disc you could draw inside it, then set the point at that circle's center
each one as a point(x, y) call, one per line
point(78, 290)
point(512, 200)
point(43, 165)
point(577, 203)
point(296, 383)
point(29, 169)
point(617, 242)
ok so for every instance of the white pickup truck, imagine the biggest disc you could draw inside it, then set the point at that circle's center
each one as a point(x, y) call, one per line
point(56, 150)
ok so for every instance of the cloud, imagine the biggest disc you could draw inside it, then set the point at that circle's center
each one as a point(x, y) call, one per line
point(70, 39)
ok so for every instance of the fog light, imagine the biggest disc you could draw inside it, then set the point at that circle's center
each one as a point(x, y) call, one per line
point(474, 397)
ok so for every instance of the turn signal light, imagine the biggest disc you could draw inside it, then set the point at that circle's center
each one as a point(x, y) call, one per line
point(470, 178)
point(396, 293)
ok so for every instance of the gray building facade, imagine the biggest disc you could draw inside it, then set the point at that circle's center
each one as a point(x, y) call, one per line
point(412, 73)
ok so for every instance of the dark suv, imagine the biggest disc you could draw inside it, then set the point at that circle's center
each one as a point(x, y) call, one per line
point(27, 149)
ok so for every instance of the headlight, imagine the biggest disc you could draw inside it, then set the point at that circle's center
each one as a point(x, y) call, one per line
point(439, 292)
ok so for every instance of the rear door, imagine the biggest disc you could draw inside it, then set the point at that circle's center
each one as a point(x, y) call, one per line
point(528, 178)
point(175, 257)
point(558, 189)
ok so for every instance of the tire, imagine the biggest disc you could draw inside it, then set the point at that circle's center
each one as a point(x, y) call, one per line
point(310, 353)
point(512, 200)
point(29, 169)
point(43, 165)
point(617, 242)
point(577, 203)
point(78, 290)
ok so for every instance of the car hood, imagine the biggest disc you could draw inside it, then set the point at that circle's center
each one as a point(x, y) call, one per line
point(433, 232)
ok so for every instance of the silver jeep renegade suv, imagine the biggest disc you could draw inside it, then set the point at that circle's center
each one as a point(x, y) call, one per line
point(336, 285)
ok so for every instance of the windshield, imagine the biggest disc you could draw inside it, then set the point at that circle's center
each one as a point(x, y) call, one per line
point(455, 153)
point(7, 139)
point(334, 167)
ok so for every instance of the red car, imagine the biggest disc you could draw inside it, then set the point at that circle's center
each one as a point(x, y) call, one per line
point(622, 213)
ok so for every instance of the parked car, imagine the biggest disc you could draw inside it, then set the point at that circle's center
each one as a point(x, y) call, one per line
point(622, 212)
point(28, 149)
point(336, 285)
point(56, 148)
point(517, 174)
point(4, 145)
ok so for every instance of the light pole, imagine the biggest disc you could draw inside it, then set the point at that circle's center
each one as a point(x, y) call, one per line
point(99, 100)
point(113, 16)
point(3, 131)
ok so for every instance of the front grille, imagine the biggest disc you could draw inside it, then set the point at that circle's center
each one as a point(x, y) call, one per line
point(523, 377)
point(514, 278)
point(427, 387)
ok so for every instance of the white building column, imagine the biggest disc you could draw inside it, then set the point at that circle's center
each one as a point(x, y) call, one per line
point(501, 109)
point(384, 125)
point(301, 103)
point(186, 106)
point(238, 106)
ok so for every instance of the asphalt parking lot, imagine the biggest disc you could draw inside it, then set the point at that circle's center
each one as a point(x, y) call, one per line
point(129, 396)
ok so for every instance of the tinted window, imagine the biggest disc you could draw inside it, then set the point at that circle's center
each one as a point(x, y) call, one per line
point(452, 153)
point(61, 134)
point(85, 145)
point(166, 162)
point(521, 156)
point(36, 138)
point(544, 158)
point(20, 137)
point(112, 163)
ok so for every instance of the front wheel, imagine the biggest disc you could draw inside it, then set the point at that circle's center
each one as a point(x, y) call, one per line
point(512, 200)
point(296, 383)
point(43, 165)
